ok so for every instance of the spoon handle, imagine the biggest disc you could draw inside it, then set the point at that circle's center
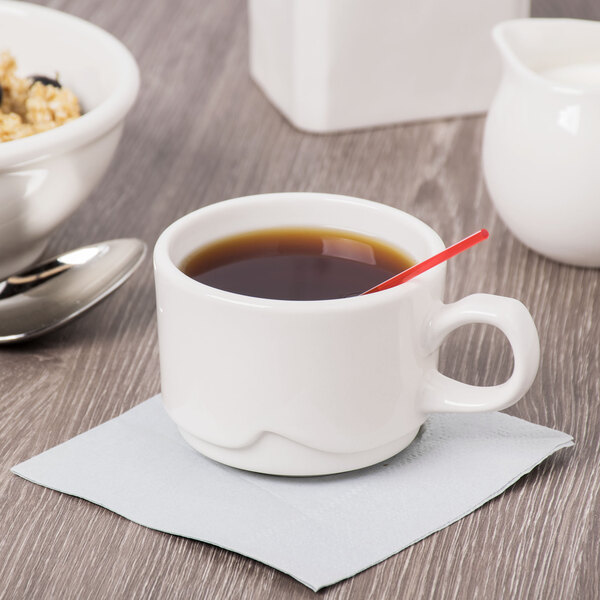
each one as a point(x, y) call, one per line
point(433, 261)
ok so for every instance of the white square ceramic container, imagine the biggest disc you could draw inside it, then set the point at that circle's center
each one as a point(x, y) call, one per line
point(330, 65)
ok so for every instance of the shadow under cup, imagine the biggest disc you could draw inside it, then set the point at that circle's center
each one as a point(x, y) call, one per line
point(299, 387)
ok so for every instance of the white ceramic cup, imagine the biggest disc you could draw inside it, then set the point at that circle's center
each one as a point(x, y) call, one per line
point(315, 387)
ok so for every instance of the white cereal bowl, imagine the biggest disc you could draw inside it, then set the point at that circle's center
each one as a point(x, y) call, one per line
point(45, 177)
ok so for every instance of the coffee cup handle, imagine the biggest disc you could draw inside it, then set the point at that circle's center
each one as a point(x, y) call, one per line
point(443, 394)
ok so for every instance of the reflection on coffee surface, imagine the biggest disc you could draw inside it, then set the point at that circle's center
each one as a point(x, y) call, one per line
point(296, 263)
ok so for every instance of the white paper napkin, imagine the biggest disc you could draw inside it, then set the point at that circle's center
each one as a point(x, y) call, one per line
point(319, 530)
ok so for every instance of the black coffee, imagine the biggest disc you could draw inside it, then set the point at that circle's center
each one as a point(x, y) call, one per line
point(296, 264)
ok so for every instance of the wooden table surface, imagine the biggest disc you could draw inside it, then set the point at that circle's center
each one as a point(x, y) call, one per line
point(202, 132)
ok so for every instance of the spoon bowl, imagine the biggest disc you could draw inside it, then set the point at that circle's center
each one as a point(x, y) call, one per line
point(56, 291)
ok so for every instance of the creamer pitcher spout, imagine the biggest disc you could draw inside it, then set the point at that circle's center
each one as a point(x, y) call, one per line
point(561, 53)
point(506, 37)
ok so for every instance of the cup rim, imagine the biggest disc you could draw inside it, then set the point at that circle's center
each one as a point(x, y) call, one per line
point(90, 125)
point(164, 265)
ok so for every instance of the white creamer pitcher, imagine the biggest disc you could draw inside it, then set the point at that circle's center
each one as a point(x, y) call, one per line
point(541, 149)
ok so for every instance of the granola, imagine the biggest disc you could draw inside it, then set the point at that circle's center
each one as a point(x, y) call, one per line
point(30, 105)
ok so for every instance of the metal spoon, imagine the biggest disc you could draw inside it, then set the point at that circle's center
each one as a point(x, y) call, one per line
point(56, 291)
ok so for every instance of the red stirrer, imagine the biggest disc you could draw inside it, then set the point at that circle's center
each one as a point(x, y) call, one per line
point(427, 264)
